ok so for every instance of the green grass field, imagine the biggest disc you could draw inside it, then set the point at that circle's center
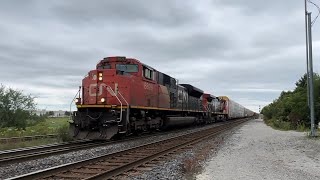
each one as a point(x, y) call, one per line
point(49, 126)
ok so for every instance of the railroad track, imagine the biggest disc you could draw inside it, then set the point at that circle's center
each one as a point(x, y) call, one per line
point(31, 153)
point(37, 152)
point(114, 164)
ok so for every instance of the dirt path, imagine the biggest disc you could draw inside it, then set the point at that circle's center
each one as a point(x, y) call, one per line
point(256, 151)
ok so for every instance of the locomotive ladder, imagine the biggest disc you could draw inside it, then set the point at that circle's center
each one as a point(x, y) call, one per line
point(127, 111)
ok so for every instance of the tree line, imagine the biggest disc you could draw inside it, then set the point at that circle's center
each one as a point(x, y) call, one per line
point(291, 107)
point(18, 109)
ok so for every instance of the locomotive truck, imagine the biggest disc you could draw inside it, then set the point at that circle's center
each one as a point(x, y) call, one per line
point(124, 96)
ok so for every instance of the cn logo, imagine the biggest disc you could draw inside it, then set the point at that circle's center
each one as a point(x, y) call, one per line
point(95, 86)
point(101, 88)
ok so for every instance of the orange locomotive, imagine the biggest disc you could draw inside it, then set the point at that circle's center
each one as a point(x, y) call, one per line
point(123, 96)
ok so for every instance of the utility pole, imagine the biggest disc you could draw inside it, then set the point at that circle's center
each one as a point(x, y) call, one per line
point(310, 79)
point(307, 49)
point(309, 68)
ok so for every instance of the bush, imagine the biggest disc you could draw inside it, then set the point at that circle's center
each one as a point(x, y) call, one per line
point(279, 124)
point(63, 133)
point(16, 108)
point(44, 127)
point(290, 110)
point(302, 127)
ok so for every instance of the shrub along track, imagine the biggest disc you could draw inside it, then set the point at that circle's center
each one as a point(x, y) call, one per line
point(141, 157)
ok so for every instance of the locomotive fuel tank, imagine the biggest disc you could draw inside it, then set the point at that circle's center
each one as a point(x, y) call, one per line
point(179, 121)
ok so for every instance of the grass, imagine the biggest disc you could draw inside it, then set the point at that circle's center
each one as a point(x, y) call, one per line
point(285, 126)
point(49, 126)
point(302, 128)
point(279, 124)
point(58, 126)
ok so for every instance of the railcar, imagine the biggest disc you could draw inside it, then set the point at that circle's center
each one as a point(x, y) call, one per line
point(122, 96)
point(234, 110)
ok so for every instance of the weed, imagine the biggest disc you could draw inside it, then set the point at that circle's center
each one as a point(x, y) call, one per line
point(279, 124)
point(63, 133)
point(193, 165)
point(302, 128)
point(190, 165)
point(58, 126)
point(49, 126)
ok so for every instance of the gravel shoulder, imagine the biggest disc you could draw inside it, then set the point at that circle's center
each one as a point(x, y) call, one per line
point(256, 151)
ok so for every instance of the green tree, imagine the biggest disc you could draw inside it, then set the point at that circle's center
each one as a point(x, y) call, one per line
point(16, 108)
point(50, 113)
point(292, 106)
point(67, 113)
point(302, 82)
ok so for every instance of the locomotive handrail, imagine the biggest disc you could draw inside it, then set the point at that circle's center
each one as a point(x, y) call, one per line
point(114, 94)
point(206, 108)
point(123, 98)
point(127, 106)
point(73, 101)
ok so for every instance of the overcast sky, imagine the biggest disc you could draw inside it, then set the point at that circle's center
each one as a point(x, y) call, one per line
point(249, 50)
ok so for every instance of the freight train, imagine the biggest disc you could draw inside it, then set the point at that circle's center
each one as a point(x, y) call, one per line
point(124, 96)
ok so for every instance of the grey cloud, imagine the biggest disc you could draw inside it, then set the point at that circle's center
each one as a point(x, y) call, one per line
point(42, 59)
point(181, 48)
point(257, 7)
point(163, 13)
point(219, 46)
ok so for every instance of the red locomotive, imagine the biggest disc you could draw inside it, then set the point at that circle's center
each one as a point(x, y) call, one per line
point(123, 96)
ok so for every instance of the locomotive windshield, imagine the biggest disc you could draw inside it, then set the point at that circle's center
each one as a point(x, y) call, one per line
point(104, 66)
point(129, 68)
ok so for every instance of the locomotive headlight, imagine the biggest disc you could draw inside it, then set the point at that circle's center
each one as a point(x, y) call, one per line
point(77, 101)
point(103, 100)
point(100, 76)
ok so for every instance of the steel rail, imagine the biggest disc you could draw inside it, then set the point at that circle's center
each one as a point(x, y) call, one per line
point(9, 157)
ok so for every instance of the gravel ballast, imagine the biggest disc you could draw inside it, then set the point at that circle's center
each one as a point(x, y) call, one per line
point(187, 164)
point(39, 164)
point(257, 151)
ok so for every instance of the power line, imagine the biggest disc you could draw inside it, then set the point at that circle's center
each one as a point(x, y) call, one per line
point(313, 21)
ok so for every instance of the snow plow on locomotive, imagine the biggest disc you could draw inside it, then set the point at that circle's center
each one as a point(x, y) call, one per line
point(123, 96)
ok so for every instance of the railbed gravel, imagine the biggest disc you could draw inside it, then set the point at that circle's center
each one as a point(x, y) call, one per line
point(17, 169)
point(174, 168)
point(252, 150)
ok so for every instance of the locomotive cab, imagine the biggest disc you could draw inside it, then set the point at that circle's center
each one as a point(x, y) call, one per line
point(109, 91)
point(105, 99)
